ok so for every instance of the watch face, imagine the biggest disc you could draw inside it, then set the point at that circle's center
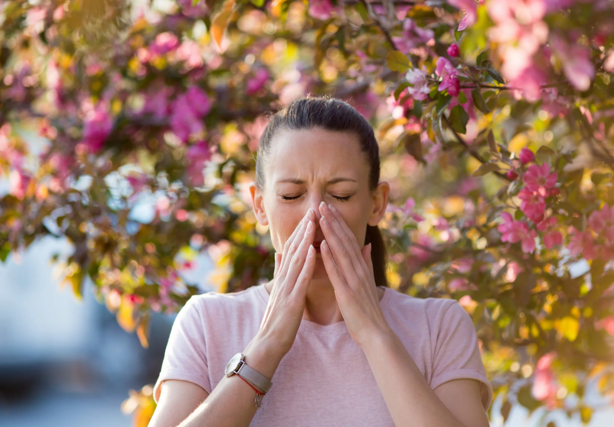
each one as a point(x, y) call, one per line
point(234, 362)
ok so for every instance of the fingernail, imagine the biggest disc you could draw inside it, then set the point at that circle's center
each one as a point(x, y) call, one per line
point(331, 207)
point(322, 204)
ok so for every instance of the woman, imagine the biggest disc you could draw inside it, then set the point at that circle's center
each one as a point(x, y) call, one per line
point(341, 348)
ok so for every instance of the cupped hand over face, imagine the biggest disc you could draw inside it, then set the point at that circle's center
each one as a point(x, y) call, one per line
point(350, 270)
point(293, 272)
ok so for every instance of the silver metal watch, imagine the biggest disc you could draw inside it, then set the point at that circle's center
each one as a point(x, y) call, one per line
point(237, 365)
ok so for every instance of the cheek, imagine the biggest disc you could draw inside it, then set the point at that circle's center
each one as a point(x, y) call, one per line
point(281, 226)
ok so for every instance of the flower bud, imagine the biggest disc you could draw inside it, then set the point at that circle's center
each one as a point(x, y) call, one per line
point(526, 156)
point(511, 174)
point(454, 51)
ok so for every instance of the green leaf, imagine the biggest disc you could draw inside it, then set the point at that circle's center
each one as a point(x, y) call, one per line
point(442, 103)
point(495, 75)
point(257, 3)
point(462, 99)
point(398, 61)
point(478, 101)
point(526, 399)
point(490, 138)
point(586, 414)
point(400, 89)
point(413, 146)
point(518, 215)
point(486, 168)
point(505, 410)
point(483, 56)
point(545, 150)
point(597, 177)
point(459, 119)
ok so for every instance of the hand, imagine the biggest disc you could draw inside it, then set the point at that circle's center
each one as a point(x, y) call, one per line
point(293, 271)
point(350, 270)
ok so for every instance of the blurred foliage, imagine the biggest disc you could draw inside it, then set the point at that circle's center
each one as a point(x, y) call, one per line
point(131, 131)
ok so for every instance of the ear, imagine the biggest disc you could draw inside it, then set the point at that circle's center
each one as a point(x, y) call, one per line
point(258, 204)
point(380, 201)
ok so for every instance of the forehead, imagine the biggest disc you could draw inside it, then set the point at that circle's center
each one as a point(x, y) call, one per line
point(314, 154)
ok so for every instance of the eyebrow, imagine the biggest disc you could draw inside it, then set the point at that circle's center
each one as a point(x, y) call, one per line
point(300, 181)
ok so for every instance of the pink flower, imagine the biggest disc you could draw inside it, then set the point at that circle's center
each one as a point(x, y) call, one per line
point(254, 84)
point(515, 231)
point(602, 221)
point(512, 174)
point(539, 179)
point(419, 88)
point(446, 70)
point(458, 284)
point(607, 324)
point(183, 120)
point(198, 101)
point(96, 128)
point(526, 156)
point(187, 113)
point(190, 52)
point(398, 109)
point(198, 155)
point(552, 237)
point(576, 61)
point(580, 242)
point(157, 102)
point(408, 210)
point(413, 36)
point(545, 387)
point(513, 269)
point(164, 43)
point(320, 9)
point(533, 204)
point(468, 6)
point(188, 8)
point(18, 183)
point(454, 51)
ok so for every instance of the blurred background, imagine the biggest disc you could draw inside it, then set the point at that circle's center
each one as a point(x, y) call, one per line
point(64, 362)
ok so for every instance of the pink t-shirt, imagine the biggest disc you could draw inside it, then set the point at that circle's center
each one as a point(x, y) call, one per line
point(325, 378)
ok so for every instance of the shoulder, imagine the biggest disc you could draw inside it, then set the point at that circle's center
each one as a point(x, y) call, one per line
point(216, 302)
point(433, 308)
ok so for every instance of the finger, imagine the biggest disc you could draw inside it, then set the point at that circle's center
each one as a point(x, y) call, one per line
point(298, 259)
point(291, 246)
point(332, 269)
point(345, 235)
point(304, 279)
point(366, 253)
point(294, 236)
point(340, 251)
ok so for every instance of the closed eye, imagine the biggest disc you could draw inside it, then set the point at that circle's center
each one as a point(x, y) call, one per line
point(342, 199)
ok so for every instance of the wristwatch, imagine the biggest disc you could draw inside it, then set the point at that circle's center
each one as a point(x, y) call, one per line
point(237, 365)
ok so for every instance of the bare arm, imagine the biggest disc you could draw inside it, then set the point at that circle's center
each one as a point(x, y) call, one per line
point(408, 396)
point(230, 404)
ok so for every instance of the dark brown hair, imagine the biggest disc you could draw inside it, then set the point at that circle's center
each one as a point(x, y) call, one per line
point(337, 116)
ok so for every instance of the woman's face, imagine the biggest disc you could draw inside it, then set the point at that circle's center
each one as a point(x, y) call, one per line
point(306, 167)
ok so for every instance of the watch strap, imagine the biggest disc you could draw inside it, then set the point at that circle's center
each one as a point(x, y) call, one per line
point(254, 377)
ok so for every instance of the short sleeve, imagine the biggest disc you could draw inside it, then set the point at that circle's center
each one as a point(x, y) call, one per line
point(185, 356)
point(456, 353)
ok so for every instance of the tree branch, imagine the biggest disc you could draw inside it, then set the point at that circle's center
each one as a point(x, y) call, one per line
point(473, 153)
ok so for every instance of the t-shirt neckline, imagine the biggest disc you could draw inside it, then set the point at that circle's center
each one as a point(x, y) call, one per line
point(308, 325)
